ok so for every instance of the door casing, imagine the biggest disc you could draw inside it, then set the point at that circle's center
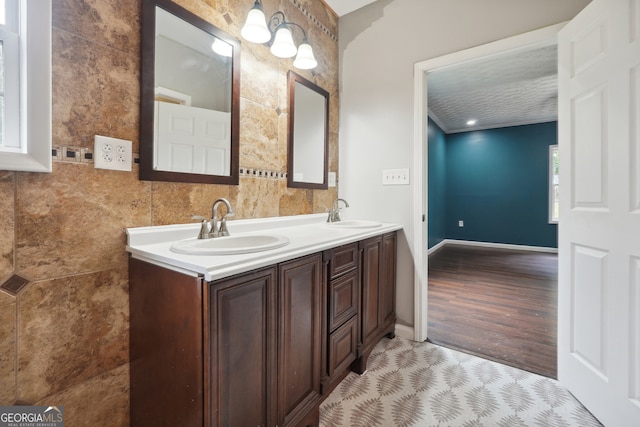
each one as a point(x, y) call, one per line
point(542, 37)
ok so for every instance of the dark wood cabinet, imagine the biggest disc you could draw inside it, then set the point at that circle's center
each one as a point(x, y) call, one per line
point(243, 353)
point(344, 293)
point(387, 289)
point(377, 314)
point(300, 348)
point(343, 347)
point(343, 305)
point(261, 348)
point(166, 347)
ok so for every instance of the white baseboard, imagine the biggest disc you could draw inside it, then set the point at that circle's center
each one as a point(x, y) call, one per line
point(492, 245)
point(404, 331)
point(436, 247)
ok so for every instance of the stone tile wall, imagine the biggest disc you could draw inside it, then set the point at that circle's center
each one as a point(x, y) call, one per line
point(64, 336)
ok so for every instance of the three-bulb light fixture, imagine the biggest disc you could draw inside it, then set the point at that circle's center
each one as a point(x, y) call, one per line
point(278, 33)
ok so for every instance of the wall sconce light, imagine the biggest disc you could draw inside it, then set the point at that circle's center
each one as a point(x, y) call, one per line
point(278, 34)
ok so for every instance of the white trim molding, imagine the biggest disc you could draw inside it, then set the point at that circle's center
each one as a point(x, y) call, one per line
point(492, 245)
point(34, 151)
point(541, 37)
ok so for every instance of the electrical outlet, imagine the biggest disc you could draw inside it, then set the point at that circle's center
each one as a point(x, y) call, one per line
point(395, 177)
point(332, 179)
point(461, 223)
point(112, 153)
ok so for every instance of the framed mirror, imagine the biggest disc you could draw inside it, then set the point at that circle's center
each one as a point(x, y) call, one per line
point(308, 145)
point(189, 98)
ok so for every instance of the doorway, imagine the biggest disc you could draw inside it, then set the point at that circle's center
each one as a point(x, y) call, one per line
point(545, 36)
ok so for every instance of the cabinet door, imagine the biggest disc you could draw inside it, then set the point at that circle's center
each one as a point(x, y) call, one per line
point(343, 299)
point(378, 294)
point(371, 250)
point(243, 350)
point(343, 346)
point(300, 310)
point(387, 312)
point(342, 259)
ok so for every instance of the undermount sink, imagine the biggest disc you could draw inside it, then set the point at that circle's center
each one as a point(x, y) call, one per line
point(230, 245)
point(355, 224)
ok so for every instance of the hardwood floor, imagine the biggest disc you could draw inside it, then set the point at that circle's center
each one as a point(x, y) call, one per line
point(497, 304)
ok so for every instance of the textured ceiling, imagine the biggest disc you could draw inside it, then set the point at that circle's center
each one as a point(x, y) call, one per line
point(509, 89)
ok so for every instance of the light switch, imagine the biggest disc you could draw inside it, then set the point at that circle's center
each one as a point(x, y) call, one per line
point(395, 177)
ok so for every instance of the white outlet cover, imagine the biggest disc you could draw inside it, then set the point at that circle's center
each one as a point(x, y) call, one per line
point(332, 179)
point(112, 153)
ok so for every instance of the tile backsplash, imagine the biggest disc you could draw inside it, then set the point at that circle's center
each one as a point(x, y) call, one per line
point(64, 335)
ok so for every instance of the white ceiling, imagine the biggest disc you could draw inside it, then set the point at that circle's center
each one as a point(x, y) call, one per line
point(342, 7)
point(509, 89)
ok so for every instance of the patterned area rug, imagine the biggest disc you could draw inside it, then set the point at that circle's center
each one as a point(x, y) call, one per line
point(421, 384)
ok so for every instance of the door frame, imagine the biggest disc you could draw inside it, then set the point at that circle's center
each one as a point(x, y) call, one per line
point(542, 37)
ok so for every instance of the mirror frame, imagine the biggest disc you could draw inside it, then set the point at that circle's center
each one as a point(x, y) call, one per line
point(147, 94)
point(294, 78)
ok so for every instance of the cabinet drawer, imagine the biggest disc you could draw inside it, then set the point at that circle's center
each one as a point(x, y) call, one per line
point(343, 259)
point(343, 345)
point(344, 293)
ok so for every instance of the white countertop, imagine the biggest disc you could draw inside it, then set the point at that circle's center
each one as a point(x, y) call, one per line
point(307, 234)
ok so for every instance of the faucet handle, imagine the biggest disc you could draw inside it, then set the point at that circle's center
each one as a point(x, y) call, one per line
point(204, 226)
point(223, 231)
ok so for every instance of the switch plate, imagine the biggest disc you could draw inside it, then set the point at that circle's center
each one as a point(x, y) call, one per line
point(461, 223)
point(332, 179)
point(112, 153)
point(395, 177)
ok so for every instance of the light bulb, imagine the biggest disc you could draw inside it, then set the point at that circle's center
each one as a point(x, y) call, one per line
point(305, 59)
point(283, 46)
point(255, 28)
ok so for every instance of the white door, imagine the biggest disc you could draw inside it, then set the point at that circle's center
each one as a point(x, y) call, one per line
point(192, 140)
point(599, 232)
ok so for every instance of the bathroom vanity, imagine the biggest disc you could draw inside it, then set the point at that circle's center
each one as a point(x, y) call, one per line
point(255, 338)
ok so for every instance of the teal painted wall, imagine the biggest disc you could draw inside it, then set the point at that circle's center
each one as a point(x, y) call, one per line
point(436, 208)
point(497, 183)
point(495, 180)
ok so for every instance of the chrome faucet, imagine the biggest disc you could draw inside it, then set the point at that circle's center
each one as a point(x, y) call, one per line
point(215, 230)
point(334, 213)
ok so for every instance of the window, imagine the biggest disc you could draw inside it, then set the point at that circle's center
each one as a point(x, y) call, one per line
point(25, 85)
point(9, 76)
point(554, 179)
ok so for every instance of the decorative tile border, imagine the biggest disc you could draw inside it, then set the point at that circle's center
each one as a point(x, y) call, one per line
point(313, 19)
point(14, 284)
point(73, 154)
point(258, 173)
